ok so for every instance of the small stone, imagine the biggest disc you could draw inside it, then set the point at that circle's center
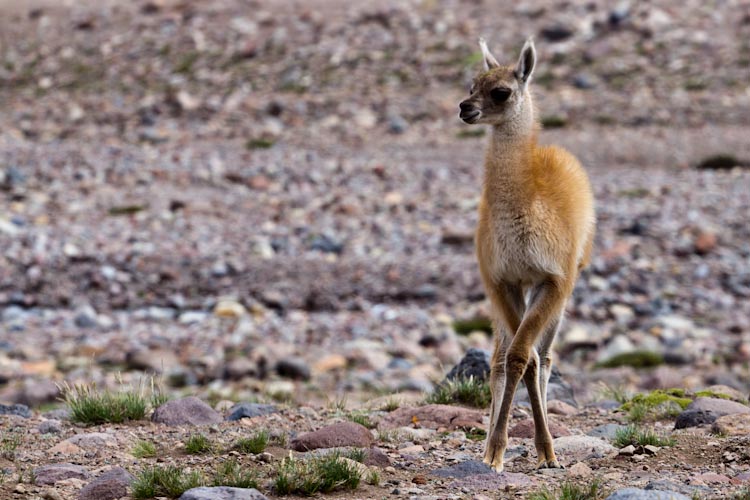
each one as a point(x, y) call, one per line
point(334, 435)
point(50, 474)
point(93, 440)
point(294, 368)
point(250, 410)
point(65, 448)
point(411, 450)
point(18, 410)
point(110, 485)
point(222, 493)
point(606, 431)
point(397, 125)
point(580, 469)
point(711, 477)
point(650, 449)
point(329, 363)
point(229, 309)
point(525, 429)
point(627, 451)
point(558, 407)
point(556, 32)
point(434, 417)
point(463, 469)
point(186, 411)
point(50, 427)
point(639, 494)
point(377, 458)
point(706, 411)
point(475, 363)
point(581, 447)
point(186, 101)
point(705, 242)
point(733, 425)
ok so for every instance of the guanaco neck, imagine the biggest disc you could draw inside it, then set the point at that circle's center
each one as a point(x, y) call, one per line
point(508, 175)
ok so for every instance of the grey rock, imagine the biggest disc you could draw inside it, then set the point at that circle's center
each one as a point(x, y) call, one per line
point(556, 32)
point(111, 485)
point(222, 493)
point(493, 481)
point(706, 411)
point(294, 368)
point(475, 363)
point(463, 469)
point(186, 411)
point(93, 440)
point(639, 494)
point(577, 448)
point(685, 489)
point(85, 317)
point(250, 410)
point(17, 409)
point(35, 392)
point(50, 427)
point(397, 125)
point(606, 431)
point(50, 474)
point(58, 414)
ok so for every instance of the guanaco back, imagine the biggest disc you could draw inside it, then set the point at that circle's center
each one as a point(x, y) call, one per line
point(535, 233)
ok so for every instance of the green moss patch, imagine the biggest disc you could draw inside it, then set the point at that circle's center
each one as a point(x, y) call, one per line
point(465, 327)
point(636, 359)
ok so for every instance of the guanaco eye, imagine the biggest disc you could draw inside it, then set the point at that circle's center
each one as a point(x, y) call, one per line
point(471, 89)
point(499, 94)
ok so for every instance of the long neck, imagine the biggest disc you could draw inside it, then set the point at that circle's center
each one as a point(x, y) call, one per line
point(508, 164)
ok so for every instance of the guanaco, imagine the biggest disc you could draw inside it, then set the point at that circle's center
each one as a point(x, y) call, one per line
point(534, 235)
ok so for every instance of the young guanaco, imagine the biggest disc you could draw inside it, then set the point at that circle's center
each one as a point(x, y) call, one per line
point(535, 233)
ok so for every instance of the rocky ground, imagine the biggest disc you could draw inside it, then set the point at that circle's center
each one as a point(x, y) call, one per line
point(275, 203)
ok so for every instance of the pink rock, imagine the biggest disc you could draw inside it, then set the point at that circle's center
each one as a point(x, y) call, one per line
point(525, 429)
point(434, 417)
point(333, 436)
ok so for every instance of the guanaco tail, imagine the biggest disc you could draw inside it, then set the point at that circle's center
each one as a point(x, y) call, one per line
point(535, 234)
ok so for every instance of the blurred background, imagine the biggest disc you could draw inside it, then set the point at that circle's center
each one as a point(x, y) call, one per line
point(276, 200)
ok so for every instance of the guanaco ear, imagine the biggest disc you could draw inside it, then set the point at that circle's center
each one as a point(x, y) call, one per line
point(527, 61)
point(489, 60)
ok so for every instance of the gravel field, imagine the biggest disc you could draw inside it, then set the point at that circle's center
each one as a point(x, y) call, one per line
point(275, 201)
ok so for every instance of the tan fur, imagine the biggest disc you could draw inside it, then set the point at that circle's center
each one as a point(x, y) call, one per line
point(535, 233)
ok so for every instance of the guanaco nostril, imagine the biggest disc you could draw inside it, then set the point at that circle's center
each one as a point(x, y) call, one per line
point(466, 106)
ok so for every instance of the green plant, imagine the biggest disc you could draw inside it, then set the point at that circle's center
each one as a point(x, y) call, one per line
point(337, 404)
point(636, 359)
point(169, 481)
point(466, 326)
point(259, 143)
point(476, 434)
point(143, 449)
point(640, 437)
point(554, 121)
point(389, 435)
point(198, 444)
point(391, 404)
point(720, 395)
point(318, 475)
point(470, 133)
point(361, 419)
point(91, 406)
point(254, 444)
point(468, 391)
point(572, 491)
point(615, 393)
point(8, 445)
point(656, 404)
point(356, 454)
point(743, 494)
point(230, 474)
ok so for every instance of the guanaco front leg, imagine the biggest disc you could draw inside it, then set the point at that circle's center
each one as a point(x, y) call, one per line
point(545, 306)
point(509, 309)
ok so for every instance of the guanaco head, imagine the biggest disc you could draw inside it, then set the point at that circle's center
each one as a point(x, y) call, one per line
point(500, 95)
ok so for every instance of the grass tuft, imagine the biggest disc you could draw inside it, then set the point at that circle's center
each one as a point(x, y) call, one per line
point(391, 404)
point(636, 359)
point(9, 442)
point(230, 474)
point(254, 444)
point(468, 391)
point(572, 491)
point(362, 419)
point(91, 406)
point(640, 437)
point(357, 454)
point(466, 326)
point(198, 444)
point(169, 481)
point(144, 449)
point(317, 475)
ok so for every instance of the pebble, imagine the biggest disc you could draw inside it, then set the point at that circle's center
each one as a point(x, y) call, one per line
point(15, 409)
point(334, 435)
point(222, 493)
point(706, 411)
point(50, 427)
point(294, 368)
point(186, 411)
point(525, 429)
point(51, 474)
point(580, 470)
point(433, 417)
point(639, 494)
point(110, 485)
point(607, 431)
point(229, 309)
point(557, 407)
point(580, 448)
point(250, 410)
point(737, 424)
